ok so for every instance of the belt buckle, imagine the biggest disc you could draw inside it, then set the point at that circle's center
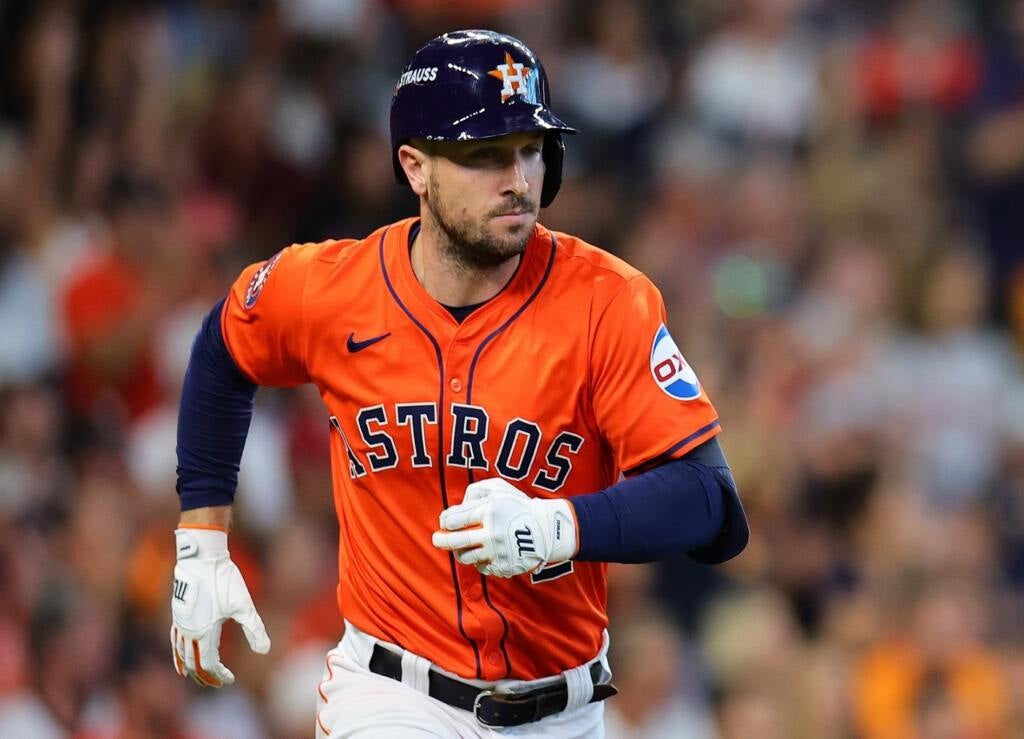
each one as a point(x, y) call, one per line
point(476, 707)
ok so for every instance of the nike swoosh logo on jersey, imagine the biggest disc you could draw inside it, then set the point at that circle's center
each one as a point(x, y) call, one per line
point(357, 346)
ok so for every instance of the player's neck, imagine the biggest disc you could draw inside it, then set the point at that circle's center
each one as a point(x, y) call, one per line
point(451, 282)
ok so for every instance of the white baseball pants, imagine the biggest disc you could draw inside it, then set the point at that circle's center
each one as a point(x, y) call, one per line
point(354, 702)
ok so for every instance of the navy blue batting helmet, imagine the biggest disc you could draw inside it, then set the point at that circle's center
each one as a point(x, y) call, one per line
point(476, 84)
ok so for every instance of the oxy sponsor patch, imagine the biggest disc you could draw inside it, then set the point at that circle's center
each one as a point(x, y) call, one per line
point(670, 370)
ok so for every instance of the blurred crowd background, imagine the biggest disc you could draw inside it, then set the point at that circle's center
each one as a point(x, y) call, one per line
point(830, 194)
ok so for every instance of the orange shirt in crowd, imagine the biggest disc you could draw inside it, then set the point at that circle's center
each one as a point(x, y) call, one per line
point(99, 302)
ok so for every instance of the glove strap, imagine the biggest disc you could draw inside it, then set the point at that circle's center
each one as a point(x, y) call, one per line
point(207, 542)
point(563, 531)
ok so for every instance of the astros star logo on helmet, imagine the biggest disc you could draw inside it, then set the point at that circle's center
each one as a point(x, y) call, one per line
point(513, 76)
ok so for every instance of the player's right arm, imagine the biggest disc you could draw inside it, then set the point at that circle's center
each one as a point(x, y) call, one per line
point(679, 495)
point(252, 337)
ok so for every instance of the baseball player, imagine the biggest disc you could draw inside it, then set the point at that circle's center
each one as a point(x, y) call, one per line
point(488, 383)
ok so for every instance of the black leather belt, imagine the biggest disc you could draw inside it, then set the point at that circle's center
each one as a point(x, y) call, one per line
point(492, 708)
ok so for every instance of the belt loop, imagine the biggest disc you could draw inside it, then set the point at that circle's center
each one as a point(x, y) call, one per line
point(416, 672)
point(580, 687)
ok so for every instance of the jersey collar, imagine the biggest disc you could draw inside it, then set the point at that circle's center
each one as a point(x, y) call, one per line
point(532, 273)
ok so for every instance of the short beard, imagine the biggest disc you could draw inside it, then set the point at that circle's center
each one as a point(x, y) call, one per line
point(469, 246)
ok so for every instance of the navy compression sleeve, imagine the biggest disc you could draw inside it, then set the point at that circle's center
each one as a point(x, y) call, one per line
point(213, 420)
point(685, 505)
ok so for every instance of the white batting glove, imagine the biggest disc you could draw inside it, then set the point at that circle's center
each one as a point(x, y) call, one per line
point(504, 532)
point(208, 589)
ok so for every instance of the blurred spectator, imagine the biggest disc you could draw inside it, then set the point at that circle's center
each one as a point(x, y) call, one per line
point(618, 83)
point(922, 56)
point(32, 469)
point(756, 658)
point(292, 689)
point(111, 305)
point(70, 640)
point(1007, 504)
point(353, 188)
point(150, 700)
point(236, 153)
point(28, 343)
point(949, 383)
point(754, 81)
point(933, 674)
point(655, 681)
point(995, 163)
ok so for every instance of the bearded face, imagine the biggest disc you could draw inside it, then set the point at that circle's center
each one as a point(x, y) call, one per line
point(484, 197)
point(479, 241)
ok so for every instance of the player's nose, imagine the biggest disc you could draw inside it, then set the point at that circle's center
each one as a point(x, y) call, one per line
point(516, 180)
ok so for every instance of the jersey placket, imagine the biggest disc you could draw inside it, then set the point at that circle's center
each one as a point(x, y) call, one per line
point(459, 348)
point(461, 467)
point(477, 621)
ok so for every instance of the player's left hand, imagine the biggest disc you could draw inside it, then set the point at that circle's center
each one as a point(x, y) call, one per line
point(504, 532)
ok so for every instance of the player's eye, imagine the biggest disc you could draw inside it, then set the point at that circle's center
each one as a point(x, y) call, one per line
point(485, 154)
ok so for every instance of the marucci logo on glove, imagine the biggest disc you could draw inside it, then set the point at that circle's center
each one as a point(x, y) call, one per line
point(503, 532)
point(180, 590)
point(524, 541)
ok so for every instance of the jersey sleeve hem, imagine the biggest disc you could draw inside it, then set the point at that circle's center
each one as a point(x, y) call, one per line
point(678, 449)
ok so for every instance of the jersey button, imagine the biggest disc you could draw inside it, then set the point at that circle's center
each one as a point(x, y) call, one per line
point(494, 658)
point(456, 385)
point(473, 592)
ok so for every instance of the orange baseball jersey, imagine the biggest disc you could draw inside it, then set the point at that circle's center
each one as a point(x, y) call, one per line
point(561, 381)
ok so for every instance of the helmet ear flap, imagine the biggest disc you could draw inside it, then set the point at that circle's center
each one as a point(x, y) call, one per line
point(553, 154)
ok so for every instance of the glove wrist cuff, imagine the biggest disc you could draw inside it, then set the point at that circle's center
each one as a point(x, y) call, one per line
point(202, 543)
point(563, 531)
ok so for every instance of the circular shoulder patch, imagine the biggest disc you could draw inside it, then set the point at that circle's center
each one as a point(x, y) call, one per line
point(259, 279)
point(670, 370)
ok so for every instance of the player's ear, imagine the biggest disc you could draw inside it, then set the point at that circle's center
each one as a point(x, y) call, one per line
point(415, 162)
